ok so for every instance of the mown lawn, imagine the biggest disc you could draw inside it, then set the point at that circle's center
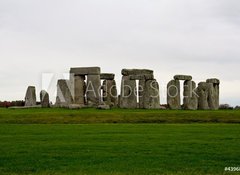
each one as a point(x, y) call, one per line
point(118, 148)
point(82, 116)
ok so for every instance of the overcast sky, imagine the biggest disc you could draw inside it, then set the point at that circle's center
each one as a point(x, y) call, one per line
point(196, 37)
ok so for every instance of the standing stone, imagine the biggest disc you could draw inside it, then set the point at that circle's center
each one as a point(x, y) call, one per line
point(190, 100)
point(151, 95)
point(141, 92)
point(110, 93)
point(30, 98)
point(114, 94)
point(173, 94)
point(93, 90)
point(128, 93)
point(213, 99)
point(78, 85)
point(44, 97)
point(203, 92)
point(64, 93)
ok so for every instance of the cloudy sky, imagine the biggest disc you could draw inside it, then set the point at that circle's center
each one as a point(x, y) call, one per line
point(47, 37)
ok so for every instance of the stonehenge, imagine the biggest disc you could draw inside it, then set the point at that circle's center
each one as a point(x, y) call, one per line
point(30, 97)
point(89, 87)
point(147, 94)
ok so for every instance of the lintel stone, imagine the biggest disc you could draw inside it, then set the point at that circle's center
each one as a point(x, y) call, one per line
point(183, 77)
point(127, 72)
point(213, 80)
point(107, 76)
point(142, 77)
point(85, 70)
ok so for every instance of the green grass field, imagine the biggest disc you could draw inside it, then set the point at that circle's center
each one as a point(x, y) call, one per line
point(119, 142)
point(86, 116)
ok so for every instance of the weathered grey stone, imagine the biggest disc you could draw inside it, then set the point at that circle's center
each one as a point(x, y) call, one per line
point(85, 70)
point(107, 76)
point(103, 107)
point(182, 77)
point(213, 96)
point(190, 100)
point(93, 90)
point(203, 93)
point(128, 97)
point(110, 96)
point(173, 94)
point(78, 86)
point(76, 106)
point(213, 80)
point(141, 93)
point(30, 98)
point(163, 107)
point(142, 77)
point(127, 72)
point(64, 94)
point(151, 95)
point(119, 101)
point(44, 98)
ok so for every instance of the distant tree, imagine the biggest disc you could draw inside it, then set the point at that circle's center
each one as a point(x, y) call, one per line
point(225, 106)
point(237, 107)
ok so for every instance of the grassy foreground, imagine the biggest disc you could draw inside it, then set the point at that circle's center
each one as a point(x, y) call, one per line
point(119, 148)
point(66, 116)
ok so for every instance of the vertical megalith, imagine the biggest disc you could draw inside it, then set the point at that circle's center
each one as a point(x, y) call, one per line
point(213, 98)
point(190, 100)
point(93, 90)
point(30, 98)
point(78, 86)
point(151, 98)
point(173, 94)
point(114, 94)
point(109, 89)
point(128, 98)
point(203, 93)
point(44, 98)
point(64, 93)
point(110, 96)
point(141, 92)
